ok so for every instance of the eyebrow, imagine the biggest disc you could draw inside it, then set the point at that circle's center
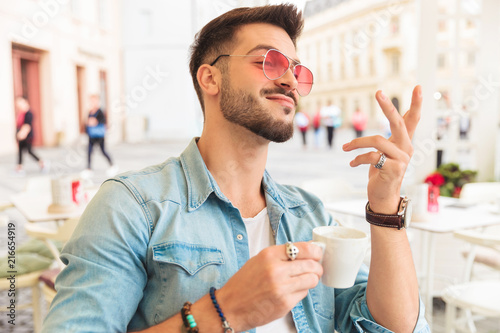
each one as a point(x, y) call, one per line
point(267, 47)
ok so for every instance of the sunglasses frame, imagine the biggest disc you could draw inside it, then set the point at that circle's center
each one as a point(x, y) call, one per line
point(264, 62)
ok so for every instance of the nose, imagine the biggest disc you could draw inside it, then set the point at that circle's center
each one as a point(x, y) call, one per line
point(288, 81)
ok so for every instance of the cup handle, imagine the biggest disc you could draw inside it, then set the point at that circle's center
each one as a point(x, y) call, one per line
point(322, 246)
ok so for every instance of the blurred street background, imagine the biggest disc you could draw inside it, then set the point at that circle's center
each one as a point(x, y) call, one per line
point(133, 55)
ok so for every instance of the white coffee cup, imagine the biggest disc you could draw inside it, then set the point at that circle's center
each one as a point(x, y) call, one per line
point(344, 251)
point(62, 196)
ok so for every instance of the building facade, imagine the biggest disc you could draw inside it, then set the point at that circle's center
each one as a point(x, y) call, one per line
point(133, 54)
point(355, 48)
point(56, 53)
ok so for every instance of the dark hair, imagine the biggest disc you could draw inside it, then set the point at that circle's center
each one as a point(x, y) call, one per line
point(217, 35)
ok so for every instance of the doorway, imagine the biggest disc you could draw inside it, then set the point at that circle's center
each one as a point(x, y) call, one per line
point(26, 76)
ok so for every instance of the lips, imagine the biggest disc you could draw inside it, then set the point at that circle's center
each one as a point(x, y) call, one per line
point(283, 100)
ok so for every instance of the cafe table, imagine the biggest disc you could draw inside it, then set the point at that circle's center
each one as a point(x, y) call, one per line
point(34, 206)
point(452, 216)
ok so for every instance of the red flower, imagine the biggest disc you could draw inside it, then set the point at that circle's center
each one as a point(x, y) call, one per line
point(435, 179)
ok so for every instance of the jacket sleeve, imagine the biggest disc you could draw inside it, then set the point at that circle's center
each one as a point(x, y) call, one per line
point(352, 313)
point(103, 282)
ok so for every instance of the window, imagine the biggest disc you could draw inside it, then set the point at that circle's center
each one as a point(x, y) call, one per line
point(355, 66)
point(395, 25)
point(372, 66)
point(329, 47)
point(442, 26)
point(330, 71)
point(395, 64)
point(441, 61)
point(471, 59)
point(470, 24)
point(395, 102)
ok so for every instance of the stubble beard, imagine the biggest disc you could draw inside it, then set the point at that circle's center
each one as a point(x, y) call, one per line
point(241, 108)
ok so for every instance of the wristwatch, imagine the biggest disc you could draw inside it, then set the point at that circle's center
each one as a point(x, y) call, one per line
point(400, 220)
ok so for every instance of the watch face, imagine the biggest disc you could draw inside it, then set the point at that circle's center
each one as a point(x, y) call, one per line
point(408, 213)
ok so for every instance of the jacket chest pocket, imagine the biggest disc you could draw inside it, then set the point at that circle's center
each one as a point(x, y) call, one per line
point(185, 271)
point(186, 258)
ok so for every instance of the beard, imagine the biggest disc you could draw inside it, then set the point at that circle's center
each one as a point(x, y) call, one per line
point(241, 108)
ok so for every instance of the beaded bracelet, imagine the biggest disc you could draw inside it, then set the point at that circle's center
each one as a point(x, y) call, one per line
point(188, 318)
point(225, 324)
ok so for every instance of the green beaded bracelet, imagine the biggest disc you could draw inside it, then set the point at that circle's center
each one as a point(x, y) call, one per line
point(188, 319)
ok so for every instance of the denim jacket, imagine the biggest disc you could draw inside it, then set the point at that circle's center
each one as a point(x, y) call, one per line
point(151, 240)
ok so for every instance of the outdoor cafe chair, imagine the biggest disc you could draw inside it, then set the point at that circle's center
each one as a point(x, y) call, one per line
point(476, 298)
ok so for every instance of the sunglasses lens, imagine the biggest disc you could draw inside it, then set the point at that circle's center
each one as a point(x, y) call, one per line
point(304, 80)
point(275, 65)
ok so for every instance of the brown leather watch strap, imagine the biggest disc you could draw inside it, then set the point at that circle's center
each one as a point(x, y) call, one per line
point(382, 220)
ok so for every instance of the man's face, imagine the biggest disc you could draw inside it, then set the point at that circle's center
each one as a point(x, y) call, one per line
point(265, 107)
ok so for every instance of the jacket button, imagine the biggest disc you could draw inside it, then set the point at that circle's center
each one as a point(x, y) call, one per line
point(240, 237)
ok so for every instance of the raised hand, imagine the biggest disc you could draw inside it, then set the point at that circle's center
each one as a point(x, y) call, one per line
point(385, 183)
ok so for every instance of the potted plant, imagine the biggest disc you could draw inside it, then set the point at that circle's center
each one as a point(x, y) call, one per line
point(450, 179)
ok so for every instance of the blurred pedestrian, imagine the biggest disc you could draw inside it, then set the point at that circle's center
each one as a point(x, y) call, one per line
point(96, 130)
point(331, 118)
point(317, 126)
point(25, 134)
point(359, 120)
point(464, 124)
point(302, 122)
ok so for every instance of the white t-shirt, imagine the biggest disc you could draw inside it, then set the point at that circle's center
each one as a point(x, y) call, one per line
point(260, 236)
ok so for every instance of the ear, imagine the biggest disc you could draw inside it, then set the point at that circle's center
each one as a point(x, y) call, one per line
point(209, 79)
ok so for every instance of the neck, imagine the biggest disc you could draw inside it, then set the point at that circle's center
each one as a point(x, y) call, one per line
point(236, 158)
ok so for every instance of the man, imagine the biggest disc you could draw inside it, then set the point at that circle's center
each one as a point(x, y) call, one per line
point(152, 240)
point(359, 120)
point(96, 130)
point(302, 122)
point(331, 117)
point(25, 134)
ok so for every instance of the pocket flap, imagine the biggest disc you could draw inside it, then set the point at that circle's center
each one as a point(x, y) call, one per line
point(191, 257)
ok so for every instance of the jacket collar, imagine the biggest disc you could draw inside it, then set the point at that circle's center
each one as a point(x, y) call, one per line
point(200, 182)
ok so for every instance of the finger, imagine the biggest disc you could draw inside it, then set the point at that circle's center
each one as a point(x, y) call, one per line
point(378, 142)
point(397, 123)
point(306, 266)
point(304, 282)
point(368, 158)
point(307, 250)
point(412, 116)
